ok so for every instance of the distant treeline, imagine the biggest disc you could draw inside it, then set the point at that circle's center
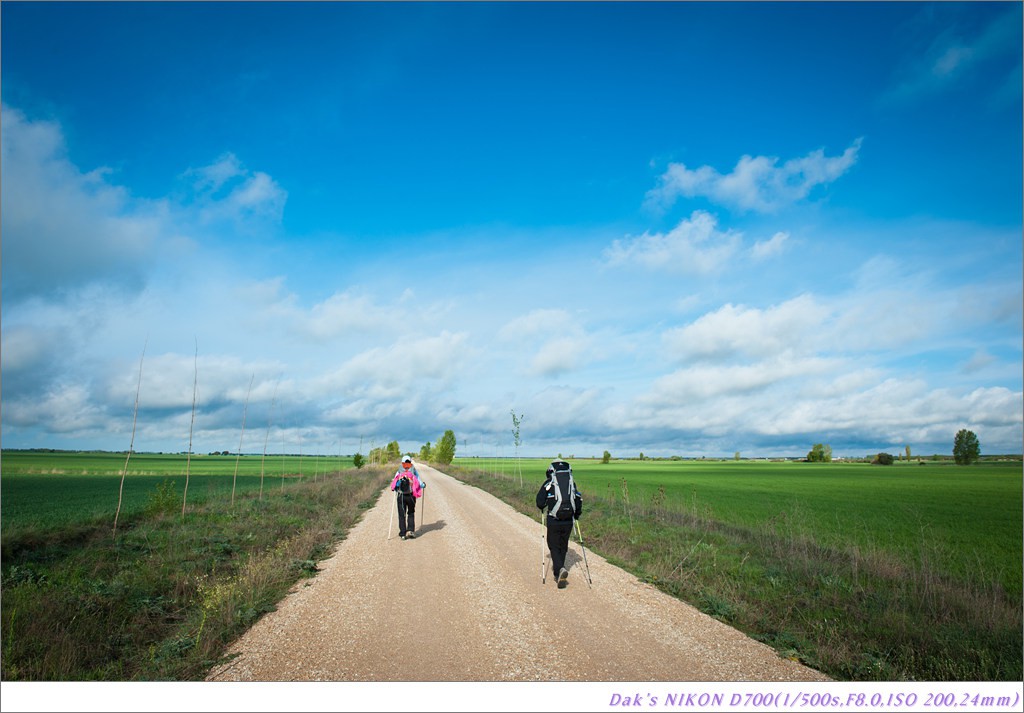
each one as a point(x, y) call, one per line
point(100, 451)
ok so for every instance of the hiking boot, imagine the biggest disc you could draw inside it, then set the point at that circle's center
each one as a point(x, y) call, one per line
point(403, 535)
point(563, 578)
point(410, 535)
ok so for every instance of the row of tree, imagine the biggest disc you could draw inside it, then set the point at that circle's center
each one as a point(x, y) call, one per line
point(443, 452)
point(966, 450)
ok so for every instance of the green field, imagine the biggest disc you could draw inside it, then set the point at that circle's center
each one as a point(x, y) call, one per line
point(108, 463)
point(965, 519)
point(53, 489)
point(902, 572)
point(161, 597)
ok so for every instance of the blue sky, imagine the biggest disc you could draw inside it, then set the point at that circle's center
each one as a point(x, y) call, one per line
point(670, 228)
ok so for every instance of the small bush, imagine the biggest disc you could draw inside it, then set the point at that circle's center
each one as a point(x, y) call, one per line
point(883, 459)
point(164, 499)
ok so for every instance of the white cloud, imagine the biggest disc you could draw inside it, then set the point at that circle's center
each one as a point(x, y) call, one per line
point(757, 183)
point(226, 190)
point(25, 346)
point(209, 179)
point(694, 247)
point(64, 228)
point(392, 370)
point(978, 361)
point(537, 323)
point(751, 332)
point(764, 249)
point(561, 355)
point(706, 383)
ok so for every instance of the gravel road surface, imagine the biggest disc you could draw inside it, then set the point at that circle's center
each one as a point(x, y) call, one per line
point(464, 601)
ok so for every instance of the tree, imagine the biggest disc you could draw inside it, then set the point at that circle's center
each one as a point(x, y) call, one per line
point(517, 421)
point(358, 461)
point(820, 453)
point(606, 457)
point(394, 452)
point(966, 448)
point(425, 451)
point(444, 452)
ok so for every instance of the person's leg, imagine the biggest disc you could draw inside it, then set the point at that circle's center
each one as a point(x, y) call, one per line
point(562, 531)
point(410, 502)
point(558, 542)
point(557, 558)
point(400, 504)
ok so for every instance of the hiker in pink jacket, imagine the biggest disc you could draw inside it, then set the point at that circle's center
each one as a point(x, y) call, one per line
point(407, 486)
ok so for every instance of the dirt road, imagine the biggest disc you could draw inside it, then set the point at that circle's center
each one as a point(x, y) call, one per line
point(464, 602)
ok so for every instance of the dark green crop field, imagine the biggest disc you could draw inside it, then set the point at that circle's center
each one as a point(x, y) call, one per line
point(904, 572)
point(967, 519)
point(48, 489)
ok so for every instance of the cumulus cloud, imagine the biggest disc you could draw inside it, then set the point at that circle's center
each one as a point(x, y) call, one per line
point(61, 227)
point(756, 183)
point(391, 370)
point(226, 190)
point(694, 247)
point(749, 332)
point(561, 355)
point(537, 323)
point(978, 361)
point(563, 345)
point(341, 314)
point(764, 249)
point(707, 382)
point(63, 408)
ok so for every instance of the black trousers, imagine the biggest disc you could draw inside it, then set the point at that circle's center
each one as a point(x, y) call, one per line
point(558, 542)
point(406, 513)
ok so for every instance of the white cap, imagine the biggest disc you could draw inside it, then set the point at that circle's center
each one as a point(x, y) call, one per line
point(407, 459)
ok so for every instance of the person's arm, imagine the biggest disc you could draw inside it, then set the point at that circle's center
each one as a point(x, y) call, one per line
point(542, 494)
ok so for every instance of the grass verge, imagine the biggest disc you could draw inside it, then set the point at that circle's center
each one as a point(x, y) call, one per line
point(852, 612)
point(164, 599)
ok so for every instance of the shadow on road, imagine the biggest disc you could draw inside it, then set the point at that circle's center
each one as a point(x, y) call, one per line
point(436, 525)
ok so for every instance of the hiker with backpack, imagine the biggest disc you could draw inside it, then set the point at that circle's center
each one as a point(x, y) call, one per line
point(407, 486)
point(564, 505)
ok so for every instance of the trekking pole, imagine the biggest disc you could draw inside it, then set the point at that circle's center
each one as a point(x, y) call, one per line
point(580, 534)
point(543, 559)
point(392, 521)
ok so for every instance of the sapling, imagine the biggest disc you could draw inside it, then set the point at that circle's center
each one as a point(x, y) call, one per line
point(188, 457)
point(625, 504)
point(263, 460)
point(516, 421)
point(245, 411)
point(131, 444)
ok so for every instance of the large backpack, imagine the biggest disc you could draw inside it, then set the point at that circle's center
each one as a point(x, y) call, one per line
point(405, 485)
point(564, 507)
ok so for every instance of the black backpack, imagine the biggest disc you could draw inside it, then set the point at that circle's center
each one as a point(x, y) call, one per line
point(564, 507)
point(404, 485)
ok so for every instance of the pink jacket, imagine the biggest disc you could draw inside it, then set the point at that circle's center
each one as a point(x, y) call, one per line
point(417, 484)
